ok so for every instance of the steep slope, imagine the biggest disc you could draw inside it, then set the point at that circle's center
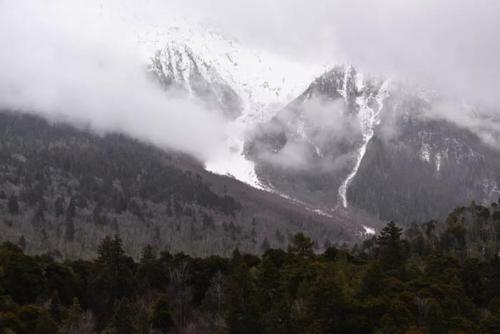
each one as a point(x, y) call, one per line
point(313, 148)
point(63, 189)
point(420, 167)
point(248, 86)
point(188, 55)
point(349, 140)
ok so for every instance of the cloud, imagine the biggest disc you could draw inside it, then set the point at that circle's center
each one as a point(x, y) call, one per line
point(75, 59)
point(485, 124)
point(61, 63)
point(325, 136)
point(451, 44)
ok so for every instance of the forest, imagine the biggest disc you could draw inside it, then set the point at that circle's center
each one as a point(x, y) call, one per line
point(63, 189)
point(401, 281)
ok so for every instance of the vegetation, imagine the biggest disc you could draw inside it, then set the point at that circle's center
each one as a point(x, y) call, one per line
point(390, 284)
point(63, 189)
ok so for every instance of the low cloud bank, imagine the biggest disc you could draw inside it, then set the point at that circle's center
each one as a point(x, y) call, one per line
point(60, 63)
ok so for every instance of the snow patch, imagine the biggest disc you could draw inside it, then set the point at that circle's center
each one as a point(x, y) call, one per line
point(369, 230)
point(438, 159)
point(369, 118)
point(264, 82)
point(425, 152)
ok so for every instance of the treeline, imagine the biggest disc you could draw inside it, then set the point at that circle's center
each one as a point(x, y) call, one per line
point(112, 173)
point(385, 286)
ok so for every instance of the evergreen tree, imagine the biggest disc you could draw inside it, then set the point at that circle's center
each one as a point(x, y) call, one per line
point(328, 306)
point(391, 249)
point(150, 271)
point(161, 318)
point(301, 246)
point(116, 279)
point(124, 320)
point(243, 312)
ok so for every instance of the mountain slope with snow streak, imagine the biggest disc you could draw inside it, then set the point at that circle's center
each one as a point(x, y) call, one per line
point(369, 117)
point(249, 86)
point(364, 143)
point(337, 140)
point(328, 127)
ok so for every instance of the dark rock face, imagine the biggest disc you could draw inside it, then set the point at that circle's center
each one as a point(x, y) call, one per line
point(412, 166)
point(424, 169)
point(309, 149)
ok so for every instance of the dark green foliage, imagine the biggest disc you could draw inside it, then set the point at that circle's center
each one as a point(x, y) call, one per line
point(243, 310)
point(35, 319)
point(108, 171)
point(150, 271)
point(124, 320)
point(301, 246)
point(21, 276)
point(389, 285)
point(161, 318)
point(328, 304)
point(116, 275)
point(391, 249)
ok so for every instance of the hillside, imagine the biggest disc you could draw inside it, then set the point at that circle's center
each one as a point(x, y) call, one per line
point(355, 141)
point(63, 190)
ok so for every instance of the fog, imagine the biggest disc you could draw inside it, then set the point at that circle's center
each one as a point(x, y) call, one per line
point(450, 44)
point(325, 129)
point(64, 60)
point(69, 67)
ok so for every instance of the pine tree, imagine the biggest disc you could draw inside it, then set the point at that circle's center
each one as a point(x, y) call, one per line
point(243, 313)
point(150, 271)
point(301, 246)
point(391, 249)
point(124, 318)
point(116, 277)
point(161, 318)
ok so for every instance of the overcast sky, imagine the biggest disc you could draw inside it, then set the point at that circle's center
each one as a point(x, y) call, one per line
point(58, 57)
point(451, 43)
point(65, 65)
point(454, 44)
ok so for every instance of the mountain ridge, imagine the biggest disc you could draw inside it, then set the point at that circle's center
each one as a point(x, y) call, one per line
point(72, 188)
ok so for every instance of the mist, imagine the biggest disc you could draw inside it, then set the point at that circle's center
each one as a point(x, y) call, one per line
point(59, 63)
point(324, 129)
point(451, 45)
point(69, 62)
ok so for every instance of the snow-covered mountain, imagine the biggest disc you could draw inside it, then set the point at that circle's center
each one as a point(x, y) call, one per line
point(246, 85)
point(315, 146)
point(385, 151)
point(332, 139)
